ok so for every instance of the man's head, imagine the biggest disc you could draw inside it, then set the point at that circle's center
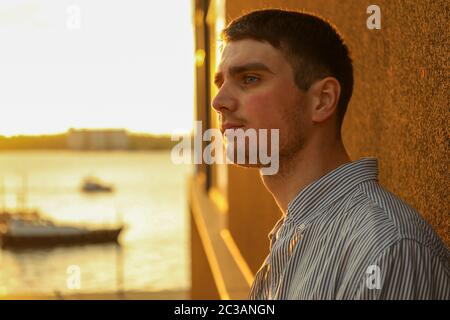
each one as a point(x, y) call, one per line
point(285, 70)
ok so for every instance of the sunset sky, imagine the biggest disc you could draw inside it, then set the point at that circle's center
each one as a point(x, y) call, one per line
point(129, 65)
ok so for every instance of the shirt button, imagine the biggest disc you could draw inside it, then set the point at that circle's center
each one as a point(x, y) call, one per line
point(301, 227)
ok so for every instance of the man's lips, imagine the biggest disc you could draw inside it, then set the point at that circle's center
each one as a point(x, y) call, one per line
point(227, 126)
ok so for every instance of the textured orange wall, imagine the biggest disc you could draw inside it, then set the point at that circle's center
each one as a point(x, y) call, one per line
point(400, 107)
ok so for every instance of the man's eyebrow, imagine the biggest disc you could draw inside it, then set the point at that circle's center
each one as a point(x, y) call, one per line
point(252, 66)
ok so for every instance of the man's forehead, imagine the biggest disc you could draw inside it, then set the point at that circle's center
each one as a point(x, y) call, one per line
point(246, 51)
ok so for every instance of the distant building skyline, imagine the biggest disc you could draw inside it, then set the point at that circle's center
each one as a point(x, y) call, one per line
point(86, 139)
point(89, 140)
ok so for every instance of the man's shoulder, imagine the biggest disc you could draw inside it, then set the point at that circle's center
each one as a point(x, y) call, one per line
point(382, 218)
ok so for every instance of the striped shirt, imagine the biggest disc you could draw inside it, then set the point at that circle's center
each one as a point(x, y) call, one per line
point(346, 237)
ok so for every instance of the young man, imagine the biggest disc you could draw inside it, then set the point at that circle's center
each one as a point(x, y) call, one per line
point(342, 236)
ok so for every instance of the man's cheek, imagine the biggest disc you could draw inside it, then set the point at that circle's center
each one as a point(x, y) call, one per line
point(261, 111)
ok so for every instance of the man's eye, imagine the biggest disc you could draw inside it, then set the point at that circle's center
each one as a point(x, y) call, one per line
point(250, 79)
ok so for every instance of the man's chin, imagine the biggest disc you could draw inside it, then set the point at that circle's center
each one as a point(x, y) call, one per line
point(246, 161)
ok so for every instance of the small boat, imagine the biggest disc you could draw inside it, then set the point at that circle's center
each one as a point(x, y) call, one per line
point(94, 185)
point(31, 233)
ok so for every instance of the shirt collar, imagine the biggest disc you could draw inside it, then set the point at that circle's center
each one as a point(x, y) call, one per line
point(326, 190)
point(275, 230)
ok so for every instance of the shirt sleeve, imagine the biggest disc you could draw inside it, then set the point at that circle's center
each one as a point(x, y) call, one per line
point(407, 270)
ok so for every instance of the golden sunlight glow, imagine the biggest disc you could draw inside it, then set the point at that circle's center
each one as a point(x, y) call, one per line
point(100, 64)
point(199, 57)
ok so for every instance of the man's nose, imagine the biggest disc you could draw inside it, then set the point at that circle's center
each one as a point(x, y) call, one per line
point(224, 101)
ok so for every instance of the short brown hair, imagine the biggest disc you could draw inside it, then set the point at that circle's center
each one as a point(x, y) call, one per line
point(311, 45)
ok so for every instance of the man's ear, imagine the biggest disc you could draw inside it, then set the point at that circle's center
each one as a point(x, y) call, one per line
point(324, 96)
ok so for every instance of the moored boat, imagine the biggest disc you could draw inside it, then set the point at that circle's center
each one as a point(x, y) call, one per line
point(93, 185)
point(29, 233)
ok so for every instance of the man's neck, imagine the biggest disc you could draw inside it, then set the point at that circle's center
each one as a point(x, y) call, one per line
point(302, 168)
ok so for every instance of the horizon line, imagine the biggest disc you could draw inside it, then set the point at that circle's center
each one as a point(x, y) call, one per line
point(156, 133)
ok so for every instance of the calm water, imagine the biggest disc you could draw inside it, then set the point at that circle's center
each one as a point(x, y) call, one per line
point(150, 197)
